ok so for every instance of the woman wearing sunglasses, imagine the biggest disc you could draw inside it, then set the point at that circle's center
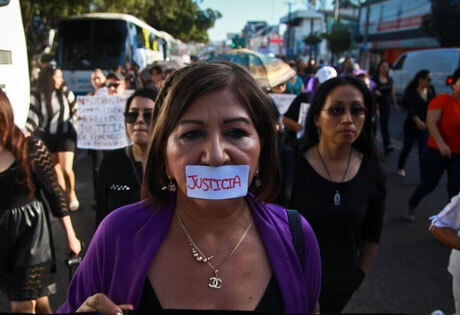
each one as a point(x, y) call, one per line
point(120, 173)
point(417, 96)
point(339, 186)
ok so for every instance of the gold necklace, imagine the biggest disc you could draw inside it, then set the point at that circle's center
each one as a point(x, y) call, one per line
point(214, 282)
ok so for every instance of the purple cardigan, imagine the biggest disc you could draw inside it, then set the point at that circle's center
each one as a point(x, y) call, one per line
point(126, 242)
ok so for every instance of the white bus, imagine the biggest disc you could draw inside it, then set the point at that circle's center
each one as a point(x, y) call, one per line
point(14, 68)
point(105, 41)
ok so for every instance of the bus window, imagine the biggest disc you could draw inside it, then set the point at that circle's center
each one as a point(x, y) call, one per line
point(140, 38)
point(89, 44)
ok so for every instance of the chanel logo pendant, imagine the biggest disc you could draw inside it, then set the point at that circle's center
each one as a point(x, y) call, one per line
point(215, 283)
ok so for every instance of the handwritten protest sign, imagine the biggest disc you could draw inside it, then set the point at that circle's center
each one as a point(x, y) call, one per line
point(302, 117)
point(223, 182)
point(282, 101)
point(100, 122)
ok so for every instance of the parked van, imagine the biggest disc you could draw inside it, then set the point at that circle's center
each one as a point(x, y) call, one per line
point(14, 68)
point(441, 62)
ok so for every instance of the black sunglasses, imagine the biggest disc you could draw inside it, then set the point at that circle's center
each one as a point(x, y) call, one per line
point(114, 85)
point(340, 110)
point(428, 79)
point(131, 117)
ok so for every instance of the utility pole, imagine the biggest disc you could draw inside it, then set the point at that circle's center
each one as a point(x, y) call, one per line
point(336, 10)
point(288, 37)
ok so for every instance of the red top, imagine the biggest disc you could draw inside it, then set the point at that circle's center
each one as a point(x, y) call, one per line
point(449, 123)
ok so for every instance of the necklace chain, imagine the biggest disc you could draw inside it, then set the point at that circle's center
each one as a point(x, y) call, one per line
point(207, 259)
point(337, 196)
point(325, 166)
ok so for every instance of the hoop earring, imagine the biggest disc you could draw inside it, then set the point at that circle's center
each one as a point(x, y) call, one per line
point(258, 181)
point(170, 187)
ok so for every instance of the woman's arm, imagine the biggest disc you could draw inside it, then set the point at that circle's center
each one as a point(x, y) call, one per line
point(291, 124)
point(432, 118)
point(446, 236)
point(43, 168)
point(367, 254)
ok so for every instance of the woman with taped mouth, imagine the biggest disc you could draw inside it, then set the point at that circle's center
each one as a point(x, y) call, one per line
point(188, 245)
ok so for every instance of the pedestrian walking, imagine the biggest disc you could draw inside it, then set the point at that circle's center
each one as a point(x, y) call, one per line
point(295, 84)
point(385, 96)
point(339, 186)
point(27, 264)
point(120, 173)
point(443, 150)
point(214, 115)
point(51, 117)
point(417, 95)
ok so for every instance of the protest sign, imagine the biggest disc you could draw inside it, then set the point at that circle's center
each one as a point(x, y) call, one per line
point(223, 182)
point(302, 117)
point(282, 101)
point(100, 123)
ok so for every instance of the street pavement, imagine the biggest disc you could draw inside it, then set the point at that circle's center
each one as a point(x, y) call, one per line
point(408, 275)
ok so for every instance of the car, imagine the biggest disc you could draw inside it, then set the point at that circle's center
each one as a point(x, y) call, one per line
point(441, 62)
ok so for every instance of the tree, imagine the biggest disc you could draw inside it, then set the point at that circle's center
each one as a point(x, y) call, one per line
point(339, 39)
point(444, 22)
point(313, 40)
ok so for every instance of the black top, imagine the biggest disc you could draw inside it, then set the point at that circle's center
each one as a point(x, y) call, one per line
point(293, 113)
point(44, 179)
point(340, 230)
point(271, 301)
point(117, 184)
point(416, 105)
point(385, 90)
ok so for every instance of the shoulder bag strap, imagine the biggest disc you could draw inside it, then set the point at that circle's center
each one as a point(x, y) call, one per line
point(295, 225)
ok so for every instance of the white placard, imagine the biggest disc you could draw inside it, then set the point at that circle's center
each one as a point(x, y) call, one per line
point(302, 117)
point(282, 101)
point(100, 123)
point(215, 183)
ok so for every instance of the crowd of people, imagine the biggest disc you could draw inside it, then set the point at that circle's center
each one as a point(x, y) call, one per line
point(214, 119)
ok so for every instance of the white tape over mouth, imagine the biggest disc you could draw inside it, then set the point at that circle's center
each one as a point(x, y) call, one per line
point(216, 183)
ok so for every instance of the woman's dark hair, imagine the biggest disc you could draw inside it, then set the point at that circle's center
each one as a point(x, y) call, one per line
point(365, 142)
point(413, 84)
point(377, 71)
point(143, 92)
point(45, 85)
point(455, 76)
point(180, 91)
point(13, 140)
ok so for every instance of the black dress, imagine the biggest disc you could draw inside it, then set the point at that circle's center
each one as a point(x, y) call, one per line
point(384, 101)
point(27, 265)
point(119, 182)
point(340, 230)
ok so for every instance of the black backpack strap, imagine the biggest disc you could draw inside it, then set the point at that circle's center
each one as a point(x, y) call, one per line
point(295, 225)
point(288, 168)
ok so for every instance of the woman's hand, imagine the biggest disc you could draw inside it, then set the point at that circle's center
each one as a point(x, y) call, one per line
point(420, 124)
point(444, 150)
point(101, 303)
point(74, 245)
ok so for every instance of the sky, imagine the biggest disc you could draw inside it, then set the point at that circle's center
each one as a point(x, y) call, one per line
point(235, 14)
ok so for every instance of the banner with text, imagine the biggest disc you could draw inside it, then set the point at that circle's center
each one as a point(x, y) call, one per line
point(282, 101)
point(101, 122)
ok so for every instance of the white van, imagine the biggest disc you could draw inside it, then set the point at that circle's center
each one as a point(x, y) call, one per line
point(441, 62)
point(14, 68)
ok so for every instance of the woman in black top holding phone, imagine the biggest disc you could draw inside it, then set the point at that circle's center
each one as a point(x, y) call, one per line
point(417, 95)
point(120, 173)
